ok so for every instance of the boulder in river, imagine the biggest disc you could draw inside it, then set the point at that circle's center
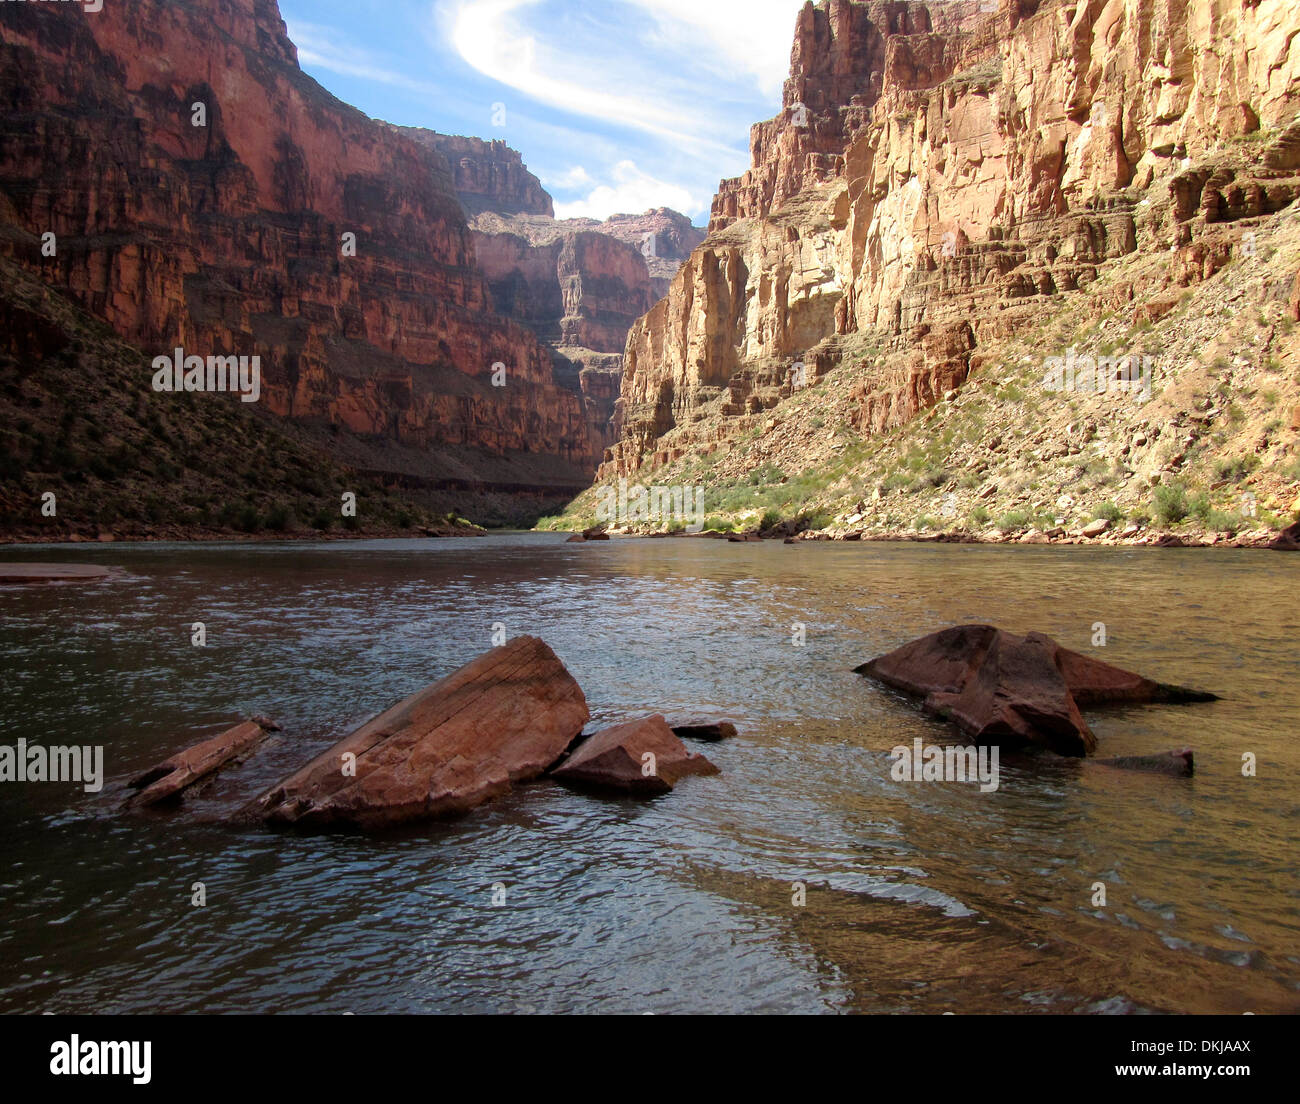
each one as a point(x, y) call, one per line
point(640, 757)
point(504, 718)
point(1014, 691)
point(595, 533)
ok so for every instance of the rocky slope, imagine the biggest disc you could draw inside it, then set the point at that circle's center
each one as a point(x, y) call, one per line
point(234, 237)
point(952, 195)
point(86, 455)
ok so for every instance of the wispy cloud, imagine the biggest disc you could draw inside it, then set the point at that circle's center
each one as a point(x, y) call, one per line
point(574, 177)
point(319, 47)
point(754, 37)
point(557, 60)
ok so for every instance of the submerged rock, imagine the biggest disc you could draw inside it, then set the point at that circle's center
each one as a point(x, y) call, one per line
point(171, 776)
point(504, 718)
point(712, 731)
point(640, 757)
point(1178, 763)
point(52, 573)
point(1014, 691)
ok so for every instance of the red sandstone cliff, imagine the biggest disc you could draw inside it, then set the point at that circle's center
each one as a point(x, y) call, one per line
point(229, 237)
point(664, 237)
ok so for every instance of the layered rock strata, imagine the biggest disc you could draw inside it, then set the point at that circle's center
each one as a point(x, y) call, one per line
point(200, 192)
point(939, 175)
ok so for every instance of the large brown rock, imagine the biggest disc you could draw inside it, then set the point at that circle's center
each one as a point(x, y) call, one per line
point(1014, 691)
point(504, 718)
point(170, 777)
point(1288, 540)
point(616, 759)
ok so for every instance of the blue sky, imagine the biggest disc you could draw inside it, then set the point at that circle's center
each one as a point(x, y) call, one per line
point(617, 105)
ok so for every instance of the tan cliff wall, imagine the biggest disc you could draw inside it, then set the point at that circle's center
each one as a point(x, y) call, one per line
point(580, 288)
point(226, 238)
point(939, 175)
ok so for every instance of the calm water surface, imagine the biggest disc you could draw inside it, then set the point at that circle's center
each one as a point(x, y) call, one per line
point(921, 897)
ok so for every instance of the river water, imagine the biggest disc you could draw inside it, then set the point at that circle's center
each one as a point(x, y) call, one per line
point(918, 897)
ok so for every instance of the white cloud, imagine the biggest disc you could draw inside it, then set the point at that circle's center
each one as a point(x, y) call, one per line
point(631, 192)
point(568, 180)
point(753, 36)
point(576, 73)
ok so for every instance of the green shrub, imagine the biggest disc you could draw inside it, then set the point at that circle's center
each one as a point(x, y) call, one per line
point(279, 518)
point(1016, 519)
point(1170, 503)
point(1236, 469)
point(1108, 511)
point(1222, 522)
point(248, 520)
